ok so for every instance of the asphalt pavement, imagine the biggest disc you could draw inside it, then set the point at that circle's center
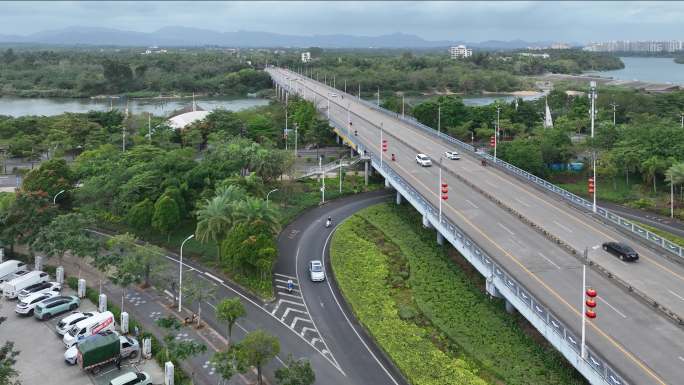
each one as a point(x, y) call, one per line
point(326, 319)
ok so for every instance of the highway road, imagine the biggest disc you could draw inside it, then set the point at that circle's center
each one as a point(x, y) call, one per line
point(637, 341)
point(324, 314)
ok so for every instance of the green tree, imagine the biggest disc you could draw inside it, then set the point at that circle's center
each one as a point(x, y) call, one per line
point(523, 153)
point(229, 311)
point(228, 363)
point(257, 349)
point(199, 291)
point(67, 232)
point(140, 215)
point(166, 215)
point(25, 217)
point(650, 169)
point(51, 176)
point(181, 350)
point(295, 372)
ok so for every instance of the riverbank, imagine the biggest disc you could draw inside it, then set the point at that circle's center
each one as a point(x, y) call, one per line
point(583, 80)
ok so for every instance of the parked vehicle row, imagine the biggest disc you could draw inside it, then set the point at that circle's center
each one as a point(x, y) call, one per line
point(11, 288)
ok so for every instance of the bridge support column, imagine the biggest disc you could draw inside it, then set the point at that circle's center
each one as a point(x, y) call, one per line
point(398, 198)
point(510, 309)
point(337, 139)
point(426, 222)
point(492, 290)
point(440, 239)
point(365, 173)
point(387, 183)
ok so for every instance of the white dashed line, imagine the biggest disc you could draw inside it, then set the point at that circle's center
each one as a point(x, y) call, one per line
point(215, 278)
point(676, 295)
point(471, 203)
point(506, 228)
point(522, 203)
point(613, 307)
point(563, 227)
point(548, 260)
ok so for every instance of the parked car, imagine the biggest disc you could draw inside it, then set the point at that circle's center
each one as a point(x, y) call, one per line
point(27, 305)
point(316, 272)
point(8, 268)
point(423, 160)
point(128, 348)
point(12, 288)
point(56, 305)
point(72, 319)
point(13, 276)
point(621, 251)
point(132, 378)
point(453, 155)
point(41, 287)
point(89, 326)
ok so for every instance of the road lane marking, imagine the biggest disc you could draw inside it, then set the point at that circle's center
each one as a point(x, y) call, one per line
point(298, 319)
point(506, 228)
point(285, 276)
point(290, 295)
point(681, 358)
point(471, 203)
point(613, 307)
point(285, 282)
point(548, 260)
point(522, 203)
point(562, 226)
point(215, 278)
point(676, 295)
point(325, 247)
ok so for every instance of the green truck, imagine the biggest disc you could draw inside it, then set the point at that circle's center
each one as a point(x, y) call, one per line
point(94, 352)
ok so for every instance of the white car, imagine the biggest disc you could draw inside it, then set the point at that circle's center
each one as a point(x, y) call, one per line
point(316, 272)
point(132, 378)
point(453, 155)
point(40, 287)
point(423, 160)
point(333, 95)
point(28, 304)
point(72, 319)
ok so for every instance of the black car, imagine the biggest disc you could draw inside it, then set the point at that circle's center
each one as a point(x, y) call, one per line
point(621, 251)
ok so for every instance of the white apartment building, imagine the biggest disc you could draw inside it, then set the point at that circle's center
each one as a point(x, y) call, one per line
point(460, 51)
point(306, 57)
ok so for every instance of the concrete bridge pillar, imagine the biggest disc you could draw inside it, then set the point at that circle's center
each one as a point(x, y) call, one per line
point(387, 183)
point(398, 198)
point(426, 222)
point(337, 139)
point(492, 290)
point(510, 309)
point(440, 239)
point(365, 172)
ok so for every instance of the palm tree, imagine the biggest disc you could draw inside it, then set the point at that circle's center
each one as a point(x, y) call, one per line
point(675, 176)
point(214, 221)
point(253, 211)
point(650, 168)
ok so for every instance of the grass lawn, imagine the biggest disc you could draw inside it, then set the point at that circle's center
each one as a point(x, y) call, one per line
point(667, 235)
point(430, 315)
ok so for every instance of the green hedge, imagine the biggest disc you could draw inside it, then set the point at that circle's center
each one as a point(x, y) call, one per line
point(443, 293)
point(362, 270)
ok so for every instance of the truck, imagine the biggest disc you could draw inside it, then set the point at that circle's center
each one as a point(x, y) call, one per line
point(95, 352)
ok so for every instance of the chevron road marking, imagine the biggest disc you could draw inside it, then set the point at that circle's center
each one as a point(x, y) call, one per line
point(297, 319)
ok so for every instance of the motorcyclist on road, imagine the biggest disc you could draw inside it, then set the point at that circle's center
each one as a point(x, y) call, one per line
point(328, 222)
point(290, 285)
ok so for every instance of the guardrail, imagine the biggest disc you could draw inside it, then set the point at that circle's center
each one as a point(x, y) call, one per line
point(593, 367)
point(622, 222)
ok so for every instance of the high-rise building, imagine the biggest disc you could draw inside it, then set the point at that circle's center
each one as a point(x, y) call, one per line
point(653, 46)
point(306, 57)
point(460, 51)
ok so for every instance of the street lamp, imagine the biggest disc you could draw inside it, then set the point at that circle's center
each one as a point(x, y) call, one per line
point(54, 200)
point(269, 193)
point(589, 302)
point(443, 189)
point(180, 273)
point(592, 84)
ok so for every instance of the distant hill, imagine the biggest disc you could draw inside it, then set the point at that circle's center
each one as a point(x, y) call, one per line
point(186, 36)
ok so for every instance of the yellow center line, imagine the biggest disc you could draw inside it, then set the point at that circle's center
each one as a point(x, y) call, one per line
point(539, 280)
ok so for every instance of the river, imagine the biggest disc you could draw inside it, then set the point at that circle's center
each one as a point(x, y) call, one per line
point(13, 106)
point(647, 69)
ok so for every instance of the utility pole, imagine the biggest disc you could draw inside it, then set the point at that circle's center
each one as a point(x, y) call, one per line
point(345, 86)
point(439, 120)
point(149, 126)
point(340, 176)
point(359, 91)
point(439, 190)
point(320, 167)
point(402, 105)
point(615, 106)
point(592, 85)
point(286, 113)
point(682, 114)
point(381, 145)
point(498, 121)
point(378, 96)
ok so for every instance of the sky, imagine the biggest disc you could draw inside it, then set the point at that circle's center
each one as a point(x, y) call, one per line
point(463, 21)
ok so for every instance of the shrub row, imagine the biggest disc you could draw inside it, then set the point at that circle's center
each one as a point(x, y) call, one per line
point(362, 270)
point(455, 305)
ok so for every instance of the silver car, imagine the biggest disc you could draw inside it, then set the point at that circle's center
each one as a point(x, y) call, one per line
point(316, 271)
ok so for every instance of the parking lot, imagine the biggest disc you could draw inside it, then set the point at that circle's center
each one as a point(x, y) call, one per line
point(41, 358)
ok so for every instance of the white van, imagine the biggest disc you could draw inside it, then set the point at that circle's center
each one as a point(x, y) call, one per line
point(12, 288)
point(88, 327)
point(10, 267)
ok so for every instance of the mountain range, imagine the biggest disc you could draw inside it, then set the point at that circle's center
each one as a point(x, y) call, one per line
point(190, 37)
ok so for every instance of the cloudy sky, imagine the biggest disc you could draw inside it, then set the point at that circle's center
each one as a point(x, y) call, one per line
point(469, 21)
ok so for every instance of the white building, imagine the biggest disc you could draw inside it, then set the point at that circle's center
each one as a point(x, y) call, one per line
point(460, 51)
point(306, 57)
point(539, 55)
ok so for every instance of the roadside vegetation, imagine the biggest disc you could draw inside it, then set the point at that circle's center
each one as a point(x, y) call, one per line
point(430, 316)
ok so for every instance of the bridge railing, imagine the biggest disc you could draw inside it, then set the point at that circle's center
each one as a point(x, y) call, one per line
point(562, 337)
point(622, 222)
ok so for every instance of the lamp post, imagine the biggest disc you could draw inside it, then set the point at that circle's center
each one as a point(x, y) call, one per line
point(378, 96)
point(615, 106)
point(269, 193)
point(54, 200)
point(402, 105)
point(320, 169)
point(439, 120)
point(592, 84)
point(442, 189)
point(180, 274)
point(588, 302)
point(381, 142)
